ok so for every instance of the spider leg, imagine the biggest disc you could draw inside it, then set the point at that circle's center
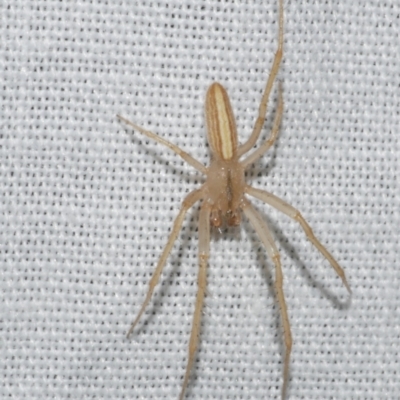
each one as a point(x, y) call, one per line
point(245, 147)
point(287, 209)
point(274, 133)
point(187, 203)
point(204, 251)
point(187, 157)
point(265, 235)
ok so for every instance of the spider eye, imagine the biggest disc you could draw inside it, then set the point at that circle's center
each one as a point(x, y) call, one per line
point(233, 219)
point(216, 218)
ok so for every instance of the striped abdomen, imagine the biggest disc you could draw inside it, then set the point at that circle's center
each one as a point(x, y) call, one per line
point(221, 125)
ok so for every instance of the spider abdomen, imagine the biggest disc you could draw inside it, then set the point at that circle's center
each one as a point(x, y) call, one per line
point(221, 124)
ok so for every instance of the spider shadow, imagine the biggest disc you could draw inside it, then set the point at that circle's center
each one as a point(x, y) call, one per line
point(304, 270)
point(165, 285)
point(189, 229)
point(258, 170)
point(266, 270)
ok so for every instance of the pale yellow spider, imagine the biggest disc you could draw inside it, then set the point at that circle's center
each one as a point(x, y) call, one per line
point(223, 198)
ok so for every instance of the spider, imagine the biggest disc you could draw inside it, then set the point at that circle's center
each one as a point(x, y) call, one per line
point(224, 197)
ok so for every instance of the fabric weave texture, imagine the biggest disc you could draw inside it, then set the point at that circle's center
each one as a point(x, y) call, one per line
point(86, 204)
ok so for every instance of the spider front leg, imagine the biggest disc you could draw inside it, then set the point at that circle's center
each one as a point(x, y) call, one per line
point(244, 148)
point(265, 235)
point(287, 209)
point(204, 251)
point(187, 157)
point(272, 137)
point(187, 203)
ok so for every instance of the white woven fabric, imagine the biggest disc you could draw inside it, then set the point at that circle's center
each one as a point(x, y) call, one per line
point(86, 204)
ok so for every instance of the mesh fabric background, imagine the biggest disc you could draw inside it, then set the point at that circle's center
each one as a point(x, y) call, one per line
point(86, 204)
